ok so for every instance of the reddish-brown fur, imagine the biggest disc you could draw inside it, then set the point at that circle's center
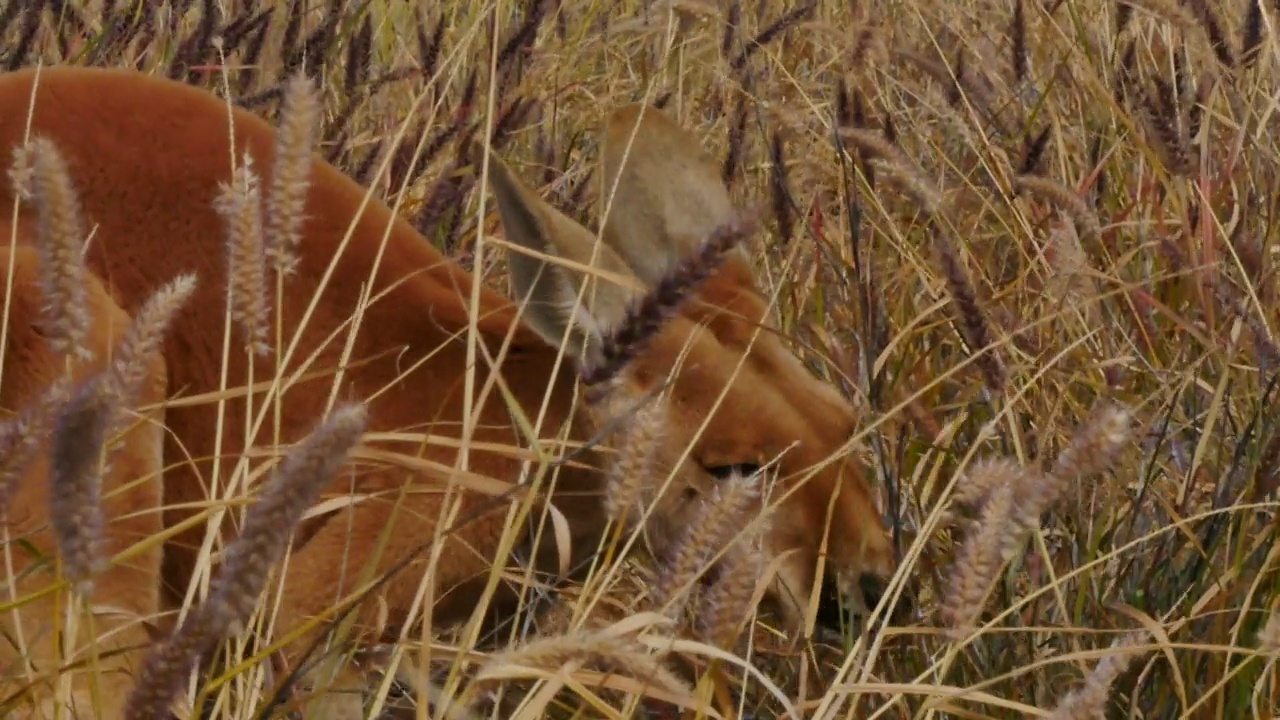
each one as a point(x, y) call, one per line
point(147, 156)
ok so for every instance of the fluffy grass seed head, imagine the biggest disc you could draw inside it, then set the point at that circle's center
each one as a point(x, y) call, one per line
point(60, 239)
point(718, 519)
point(1089, 701)
point(637, 446)
point(291, 176)
point(240, 205)
point(978, 564)
point(727, 603)
point(292, 488)
point(20, 438)
point(77, 457)
point(143, 341)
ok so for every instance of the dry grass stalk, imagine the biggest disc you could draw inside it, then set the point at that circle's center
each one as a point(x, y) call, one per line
point(773, 30)
point(1092, 450)
point(22, 173)
point(975, 327)
point(606, 649)
point(1213, 31)
point(269, 523)
point(1018, 43)
point(1070, 282)
point(291, 490)
point(1251, 35)
point(240, 205)
point(1266, 478)
point(1089, 701)
point(1237, 304)
point(291, 177)
point(61, 239)
point(168, 665)
point(1033, 151)
point(780, 186)
point(737, 137)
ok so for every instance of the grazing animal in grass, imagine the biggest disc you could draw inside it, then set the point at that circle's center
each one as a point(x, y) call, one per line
point(374, 313)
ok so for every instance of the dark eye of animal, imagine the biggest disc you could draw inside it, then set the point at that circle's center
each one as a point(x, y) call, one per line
point(724, 472)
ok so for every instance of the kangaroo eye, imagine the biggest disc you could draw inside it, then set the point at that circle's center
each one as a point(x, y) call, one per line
point(724, 472)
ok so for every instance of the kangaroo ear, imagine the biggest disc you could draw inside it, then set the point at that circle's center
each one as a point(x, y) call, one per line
point(552, 259)
point(661, 194)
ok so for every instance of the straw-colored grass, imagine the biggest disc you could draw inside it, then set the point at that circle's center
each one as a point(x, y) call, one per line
point(1036, 238)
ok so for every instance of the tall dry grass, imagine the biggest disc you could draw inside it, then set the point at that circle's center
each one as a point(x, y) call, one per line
point(1033, 240)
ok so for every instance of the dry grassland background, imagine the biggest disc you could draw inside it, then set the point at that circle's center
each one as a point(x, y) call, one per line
point(1032, 239)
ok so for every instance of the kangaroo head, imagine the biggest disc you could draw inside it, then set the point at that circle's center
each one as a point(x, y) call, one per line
point(734, 398)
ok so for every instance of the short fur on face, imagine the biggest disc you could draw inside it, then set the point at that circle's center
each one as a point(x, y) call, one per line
point(721, 356)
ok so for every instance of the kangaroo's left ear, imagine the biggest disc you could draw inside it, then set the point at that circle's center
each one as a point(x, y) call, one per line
point(558, 260)
point(661, 195)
